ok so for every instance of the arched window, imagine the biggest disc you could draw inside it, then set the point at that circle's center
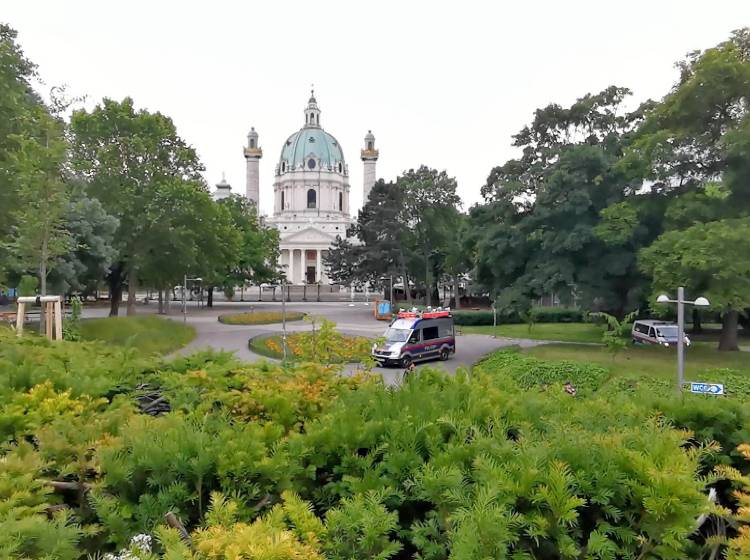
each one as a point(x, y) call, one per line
point(282, 200)
point(252, 143)
point(311, 198)
point(341, 168)
point(369, 145)
point(341, 202)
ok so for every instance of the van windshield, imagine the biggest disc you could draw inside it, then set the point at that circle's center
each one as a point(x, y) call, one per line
point(667, 332)
point(396, 335)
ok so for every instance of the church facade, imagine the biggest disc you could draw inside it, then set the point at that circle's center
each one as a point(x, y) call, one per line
point(310, 194)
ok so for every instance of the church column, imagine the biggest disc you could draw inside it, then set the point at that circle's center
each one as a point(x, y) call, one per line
point(253, 153)
point(369, 159)
point(318, 269)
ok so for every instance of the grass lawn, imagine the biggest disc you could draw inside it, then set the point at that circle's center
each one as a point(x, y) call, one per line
point(564, 332)
point(259, 317)
point(652, 361)
point(148, 333)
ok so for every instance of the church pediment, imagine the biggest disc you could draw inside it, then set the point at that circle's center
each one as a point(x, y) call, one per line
point(310, 235)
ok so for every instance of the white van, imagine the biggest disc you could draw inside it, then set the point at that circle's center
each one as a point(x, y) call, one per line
point(662, 333)
point(415, 337)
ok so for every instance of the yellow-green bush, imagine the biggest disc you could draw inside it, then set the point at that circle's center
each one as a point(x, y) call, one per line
point(265, 461)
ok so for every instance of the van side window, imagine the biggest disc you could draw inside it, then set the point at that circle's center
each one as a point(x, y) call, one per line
point(651, 332)
point(430, 333)
point(445, 329)
point(414, 337)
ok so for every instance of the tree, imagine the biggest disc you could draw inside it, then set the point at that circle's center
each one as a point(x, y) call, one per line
point(457, 257)
point(536, 234)
point(712, 260)
point(381, 247)
point(429, 202)
point(39, 232)
point(128, 157)
point(258, 250)
point(92, 233)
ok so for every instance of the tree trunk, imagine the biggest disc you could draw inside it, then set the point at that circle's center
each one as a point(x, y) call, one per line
point(457, 302)
point(210, 302)
point(728, 338)
point(131, 293)
point(114, 282)
point(161, 302)
point(43, 287)
point(697, 327)
point(405, 277)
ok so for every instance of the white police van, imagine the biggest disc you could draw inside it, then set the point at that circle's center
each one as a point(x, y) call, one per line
point(415, 336)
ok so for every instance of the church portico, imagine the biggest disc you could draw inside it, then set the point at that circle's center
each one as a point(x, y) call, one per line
point(310, 195)
point(304, 265)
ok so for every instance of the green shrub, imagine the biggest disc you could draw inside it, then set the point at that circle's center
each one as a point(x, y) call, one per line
point(556, 315)
point(467, 318)
point(460, 467)
point(535, 315)
point(530, 372)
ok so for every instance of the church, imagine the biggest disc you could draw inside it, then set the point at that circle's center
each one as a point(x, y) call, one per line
point(310, 194)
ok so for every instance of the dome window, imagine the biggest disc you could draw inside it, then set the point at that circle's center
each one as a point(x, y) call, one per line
point(311, 198)
point(311, 140)
point(311, 163)
point(282, 201)
point(341, 168)
point(283, 166)
point(341, 202)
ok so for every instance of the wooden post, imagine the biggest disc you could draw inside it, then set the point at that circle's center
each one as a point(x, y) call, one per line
point(49, 317)
point(20, 318)
point(58, 320)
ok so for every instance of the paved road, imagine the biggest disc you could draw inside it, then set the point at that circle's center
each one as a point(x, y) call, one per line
point(349, 318)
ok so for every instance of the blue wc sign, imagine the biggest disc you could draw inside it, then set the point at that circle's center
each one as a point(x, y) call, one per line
point(707, 388)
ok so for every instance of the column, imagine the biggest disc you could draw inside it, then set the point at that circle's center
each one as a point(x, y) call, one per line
point(318, 269)
point(290, 270)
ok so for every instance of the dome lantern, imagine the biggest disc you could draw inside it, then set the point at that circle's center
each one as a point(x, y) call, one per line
point(312, 112)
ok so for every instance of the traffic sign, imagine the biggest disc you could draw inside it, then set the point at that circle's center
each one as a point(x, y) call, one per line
point(707, 388)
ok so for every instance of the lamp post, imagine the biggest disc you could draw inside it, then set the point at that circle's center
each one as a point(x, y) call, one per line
point(283, 311)
point(184, 295)
point(681, 301)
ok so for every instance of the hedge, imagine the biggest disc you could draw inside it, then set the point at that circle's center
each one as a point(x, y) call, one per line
point(538, 315)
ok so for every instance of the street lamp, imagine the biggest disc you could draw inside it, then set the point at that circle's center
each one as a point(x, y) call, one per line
point(283, 310)
point(681, 301)
point(184, 295)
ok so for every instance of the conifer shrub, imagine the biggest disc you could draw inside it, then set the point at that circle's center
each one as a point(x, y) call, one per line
point(300, 462)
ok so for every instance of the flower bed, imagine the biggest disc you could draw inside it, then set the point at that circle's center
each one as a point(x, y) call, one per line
point(259, 317)
point(324, 345)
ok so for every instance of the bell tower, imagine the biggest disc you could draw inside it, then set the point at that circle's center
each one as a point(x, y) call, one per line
point(253, 153)
point(369, 160)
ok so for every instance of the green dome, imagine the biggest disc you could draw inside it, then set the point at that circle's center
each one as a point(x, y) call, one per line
point(312, 143)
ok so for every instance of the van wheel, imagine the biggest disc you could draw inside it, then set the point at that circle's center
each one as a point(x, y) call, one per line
point(406, 361)
point(444, 354)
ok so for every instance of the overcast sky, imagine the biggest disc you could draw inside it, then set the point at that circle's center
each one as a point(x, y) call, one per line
point(444, 84)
